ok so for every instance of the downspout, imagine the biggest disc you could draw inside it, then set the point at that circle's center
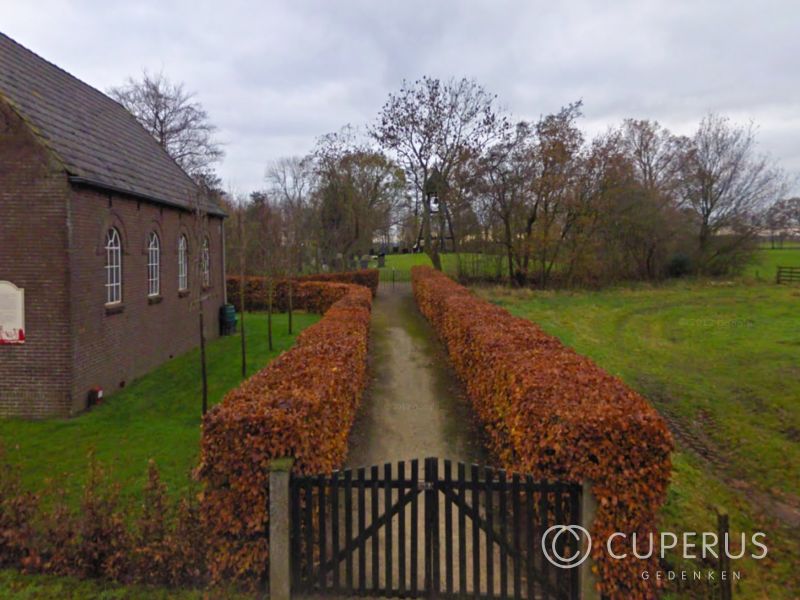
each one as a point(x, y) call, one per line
point(223, 261)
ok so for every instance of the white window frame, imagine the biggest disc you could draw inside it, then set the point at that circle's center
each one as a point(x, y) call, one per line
point(183, 263)
point(113, 267)
point(153, 264)
point(205, 263)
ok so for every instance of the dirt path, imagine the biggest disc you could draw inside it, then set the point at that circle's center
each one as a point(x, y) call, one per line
point(414, 406)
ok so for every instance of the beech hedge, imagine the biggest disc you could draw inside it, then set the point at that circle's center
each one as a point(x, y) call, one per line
point(256, 288)
point(554, 414)
point(301, 405)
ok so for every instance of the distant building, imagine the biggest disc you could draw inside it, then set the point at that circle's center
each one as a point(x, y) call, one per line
point(98, 226)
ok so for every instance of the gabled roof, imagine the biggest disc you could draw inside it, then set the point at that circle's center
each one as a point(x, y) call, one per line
point(97, 140)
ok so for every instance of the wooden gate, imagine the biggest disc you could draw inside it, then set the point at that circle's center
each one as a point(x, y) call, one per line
point(464, 531)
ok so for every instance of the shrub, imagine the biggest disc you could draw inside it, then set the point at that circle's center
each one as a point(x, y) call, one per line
point(165, 546)
point(679, 265)
point(17, 509)
point(257, 288)
point(554, 414)
point(101, 546)
point(301, 405)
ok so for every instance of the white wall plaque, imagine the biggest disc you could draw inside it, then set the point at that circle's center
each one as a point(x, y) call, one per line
point(12, 314)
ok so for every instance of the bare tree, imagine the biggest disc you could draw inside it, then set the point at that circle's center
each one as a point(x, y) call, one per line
point(725, 181)
point(505, 184)
point(557, 161)
point(290, 182)
point(431, 126)
point(199, 279)
point(358, 190)
point(175, 118)
point(782, 219)
point(656, 154)
point(647, 215)
point(269, 242)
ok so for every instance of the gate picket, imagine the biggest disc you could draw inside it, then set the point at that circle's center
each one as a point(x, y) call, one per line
point(401, 532)
point(476, 540)
point(362, 526)
point(414, 530)
point(507, 516)
point(348, 527)
point(462, 522)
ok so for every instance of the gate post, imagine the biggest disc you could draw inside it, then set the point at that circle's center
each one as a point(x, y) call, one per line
point(279, 528)
point(588, 513)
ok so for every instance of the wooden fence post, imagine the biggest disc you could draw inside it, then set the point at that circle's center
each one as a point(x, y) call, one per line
point(588, 580)
point(279, 527)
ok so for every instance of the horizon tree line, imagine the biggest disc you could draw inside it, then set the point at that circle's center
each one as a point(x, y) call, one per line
point(443, 168)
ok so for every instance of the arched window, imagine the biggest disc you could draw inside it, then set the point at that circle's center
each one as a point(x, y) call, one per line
point(153, 264)
point(206, 263)
point(113, 267)
point(183, 264)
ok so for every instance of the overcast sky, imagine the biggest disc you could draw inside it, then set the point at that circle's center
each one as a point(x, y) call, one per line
point(275, 75)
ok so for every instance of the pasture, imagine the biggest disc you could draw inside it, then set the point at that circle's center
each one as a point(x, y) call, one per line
point(721, 360)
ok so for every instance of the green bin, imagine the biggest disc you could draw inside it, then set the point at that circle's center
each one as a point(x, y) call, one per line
point(227, 319)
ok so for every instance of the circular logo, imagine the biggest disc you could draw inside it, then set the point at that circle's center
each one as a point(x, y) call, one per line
point(550, 543)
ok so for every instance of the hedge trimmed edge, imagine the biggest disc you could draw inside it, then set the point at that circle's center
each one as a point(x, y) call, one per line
point(302, 405)
point(554, 414)
point(256, 288)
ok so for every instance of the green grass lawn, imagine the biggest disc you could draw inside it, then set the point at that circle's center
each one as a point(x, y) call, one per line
point(469, 262)
point(156, 416)
point(723, 359)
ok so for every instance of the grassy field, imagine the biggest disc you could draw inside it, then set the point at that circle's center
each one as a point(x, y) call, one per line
point(766, 262)
point(470, 262)
point(156, 416)
point(721, 359)
point(763, 267)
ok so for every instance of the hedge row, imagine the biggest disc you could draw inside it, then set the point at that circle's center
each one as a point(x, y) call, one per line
point(553, 413)
point(301, 405)
point(256, 288)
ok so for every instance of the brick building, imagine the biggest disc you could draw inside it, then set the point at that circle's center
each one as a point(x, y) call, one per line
point(113, 244)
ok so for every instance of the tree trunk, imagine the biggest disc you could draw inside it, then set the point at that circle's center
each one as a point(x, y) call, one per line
point(270, 289)
point(241, 317)
point(291, 286)
point(203, 372)
point(242, 272)
point(430, 249)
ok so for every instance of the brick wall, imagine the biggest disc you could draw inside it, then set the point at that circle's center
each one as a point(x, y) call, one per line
point(52, 238)
point(113, 347)
point(34, 377)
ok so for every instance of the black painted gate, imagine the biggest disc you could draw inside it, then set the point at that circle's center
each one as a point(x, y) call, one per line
point(464, 531)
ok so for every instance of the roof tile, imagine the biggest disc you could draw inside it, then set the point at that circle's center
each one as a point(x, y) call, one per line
point(95, 137)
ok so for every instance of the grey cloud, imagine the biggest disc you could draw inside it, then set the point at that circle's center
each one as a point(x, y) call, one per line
point(275, 75)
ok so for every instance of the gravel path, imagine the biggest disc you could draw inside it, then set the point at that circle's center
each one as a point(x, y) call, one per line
point(415, 406)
